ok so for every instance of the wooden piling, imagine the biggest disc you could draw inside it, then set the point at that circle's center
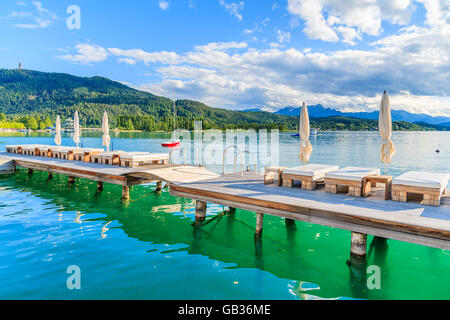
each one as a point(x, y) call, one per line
point(99, 186)
point(50, 175)
point(259, 222)
point(125, 193)
point(200, 210)
point(358, 244)
point(290, 222)
point(30, 171)
point(158, 186)
point(71, 179)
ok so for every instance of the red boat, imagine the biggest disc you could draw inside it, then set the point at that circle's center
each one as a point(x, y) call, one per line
point(171, 144)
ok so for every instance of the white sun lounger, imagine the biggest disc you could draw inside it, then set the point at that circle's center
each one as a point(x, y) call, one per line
point(309, 175)
point(45, 151)
point(110, 157)
point(348, 178)
point(136, 160)
point(31, 150)
point(272, 172)
point(429, 184)
point(13, 149)
point(84, 154)
point(62, 152)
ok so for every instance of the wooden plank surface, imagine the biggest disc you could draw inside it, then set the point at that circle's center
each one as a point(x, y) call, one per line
point(175, 174)
point(112, 173)
point(429, 224)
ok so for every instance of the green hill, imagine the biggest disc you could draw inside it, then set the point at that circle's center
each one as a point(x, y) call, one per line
point(26, 92)
point(33, 99)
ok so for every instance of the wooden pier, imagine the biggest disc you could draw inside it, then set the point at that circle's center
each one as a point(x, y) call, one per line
point(124, 176)
point(410, 222)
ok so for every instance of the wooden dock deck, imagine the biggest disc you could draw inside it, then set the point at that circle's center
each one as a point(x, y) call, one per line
point(124, 176)
point(411, 222)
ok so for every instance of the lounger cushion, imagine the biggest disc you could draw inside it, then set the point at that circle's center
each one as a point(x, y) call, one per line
point(143, 157)
point(83, 150)
point(30, 147)
point(316, 171)
point(111, 153)
point(352, 173)
point(420, 179)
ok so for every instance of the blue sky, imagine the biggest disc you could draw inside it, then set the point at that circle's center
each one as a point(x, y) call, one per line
point(244, 54)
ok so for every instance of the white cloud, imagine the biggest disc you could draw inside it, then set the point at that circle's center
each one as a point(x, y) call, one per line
point(86, 54)
point(413, 64)
point(438, 12)
point(21, 3)
point(327, 19)
point(283, 36)
point(258, 26)
point(146, 57)
point(231, 75)
point(20, 14)
point(350, 79)
point(348, 34)
point(311, 12)
point(234, 8)
point(127, 60)
point(219, 46)
point(42, 19)
point(163, 5)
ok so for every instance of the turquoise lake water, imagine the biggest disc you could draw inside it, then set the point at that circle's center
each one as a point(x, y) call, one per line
point(148, 248)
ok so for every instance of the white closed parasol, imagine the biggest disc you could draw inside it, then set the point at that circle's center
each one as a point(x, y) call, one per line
point(385, 128)
point(58, 131)
point(106, 139)
point(305, 145)
point(76, 129)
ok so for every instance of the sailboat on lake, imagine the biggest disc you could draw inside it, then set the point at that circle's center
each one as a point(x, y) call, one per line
point(172, 143)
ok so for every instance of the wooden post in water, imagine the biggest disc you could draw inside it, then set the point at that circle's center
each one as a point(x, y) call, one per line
point(259, 222)
point(99, 186)
point(125, 193)
point(358, 245)
point(71, 179)
point(30, 171)
point(200, 210)
point(290, 222)
point(158, 186)
point(50, 175)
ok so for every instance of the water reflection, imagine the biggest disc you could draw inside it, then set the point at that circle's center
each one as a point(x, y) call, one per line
point(288, 250)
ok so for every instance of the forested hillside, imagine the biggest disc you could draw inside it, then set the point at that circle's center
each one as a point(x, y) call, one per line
point(34, 93)
point(33, 99)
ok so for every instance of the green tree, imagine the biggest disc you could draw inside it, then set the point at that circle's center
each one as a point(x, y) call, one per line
point(2, 117)
point(48, 122)
point(32, 123)
point(129, 125)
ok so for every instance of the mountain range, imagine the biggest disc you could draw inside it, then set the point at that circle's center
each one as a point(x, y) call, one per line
point(318, 111)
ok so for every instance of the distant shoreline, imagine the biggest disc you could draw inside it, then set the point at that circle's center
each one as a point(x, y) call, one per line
point(6, 130)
